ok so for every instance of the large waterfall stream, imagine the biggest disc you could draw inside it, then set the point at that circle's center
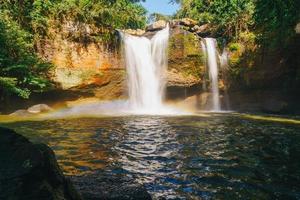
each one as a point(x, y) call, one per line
point(146, 64)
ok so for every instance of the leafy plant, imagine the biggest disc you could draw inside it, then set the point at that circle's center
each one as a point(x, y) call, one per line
point(20, 69)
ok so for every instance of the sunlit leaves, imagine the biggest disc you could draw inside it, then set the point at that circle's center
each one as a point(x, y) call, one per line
point(20, 68)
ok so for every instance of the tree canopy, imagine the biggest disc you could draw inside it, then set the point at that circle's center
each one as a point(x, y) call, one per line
point(270, 19)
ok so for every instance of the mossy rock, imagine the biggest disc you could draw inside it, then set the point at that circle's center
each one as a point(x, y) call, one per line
point(185, 53)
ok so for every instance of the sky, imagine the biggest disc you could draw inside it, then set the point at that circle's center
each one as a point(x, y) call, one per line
point(160, 6)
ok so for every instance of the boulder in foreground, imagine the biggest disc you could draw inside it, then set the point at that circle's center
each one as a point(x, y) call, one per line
point(30, 171)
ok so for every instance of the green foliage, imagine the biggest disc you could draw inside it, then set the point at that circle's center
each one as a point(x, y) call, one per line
point(272, 21)
point(276, 19)
point(20, 69)
point(103, 13)
point(229, 17)
point(39, 15)
point(24, 24)
point(234, 46)
point(9, 86)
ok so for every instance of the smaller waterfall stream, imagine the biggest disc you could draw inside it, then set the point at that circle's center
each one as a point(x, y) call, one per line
point(212, 63)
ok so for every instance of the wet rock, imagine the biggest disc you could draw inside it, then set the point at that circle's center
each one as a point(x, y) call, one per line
point(150, 34)
point(187, 22)
point(186, 62)
point(174, 78)
point(195, 28)
point(158, 25)
point(39, 108)
point(137, 32)
point(109, 186)
point(199, 101)
point(30, 171)
point(201, 29)
point(297, 28)
point(31, 111)
point(21, 113)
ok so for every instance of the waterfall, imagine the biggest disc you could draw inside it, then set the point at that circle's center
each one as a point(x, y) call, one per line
point(212, 63)
point(203, 46)
point(224, 59)
point(146, 63)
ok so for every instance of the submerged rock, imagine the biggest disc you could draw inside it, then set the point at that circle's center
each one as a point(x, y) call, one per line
point(31, 111)
point(39, 108)
point(109, 186)
point(21, 113)
point(30, 171)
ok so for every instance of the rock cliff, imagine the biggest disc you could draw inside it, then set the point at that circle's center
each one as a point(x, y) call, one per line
point(98, 69)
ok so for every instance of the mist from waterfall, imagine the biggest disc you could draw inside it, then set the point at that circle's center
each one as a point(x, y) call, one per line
point(212, 64)
point(146, 65)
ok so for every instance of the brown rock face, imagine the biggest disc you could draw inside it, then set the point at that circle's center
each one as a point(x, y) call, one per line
point(86, 67)
point(100, 70)
point(187, 22)
point(186, 60)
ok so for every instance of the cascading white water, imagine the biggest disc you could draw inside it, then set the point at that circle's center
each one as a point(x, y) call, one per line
point(203, 46)
point(224, 59)
point(146, 63)
point(211, 52)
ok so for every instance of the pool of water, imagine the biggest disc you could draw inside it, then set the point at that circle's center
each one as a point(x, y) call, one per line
point(210, 156)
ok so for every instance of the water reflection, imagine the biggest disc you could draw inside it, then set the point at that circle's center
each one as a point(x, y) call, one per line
point(147, 149)
point(218, 156)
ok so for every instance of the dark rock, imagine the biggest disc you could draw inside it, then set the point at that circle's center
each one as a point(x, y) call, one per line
point(203, 30)
point(274, 106)
point(150, 34)
point(109, 186)
point(267, 101)
point(30, 171)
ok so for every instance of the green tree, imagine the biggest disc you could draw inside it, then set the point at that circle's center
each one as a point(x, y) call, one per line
point(229, 17)
point(20, 69)
point(275, 20)
point(24, 24)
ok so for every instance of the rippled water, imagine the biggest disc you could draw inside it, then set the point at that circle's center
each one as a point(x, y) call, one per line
point(214, 156)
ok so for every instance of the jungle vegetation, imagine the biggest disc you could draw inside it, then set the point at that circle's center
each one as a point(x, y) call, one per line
point(24, 24)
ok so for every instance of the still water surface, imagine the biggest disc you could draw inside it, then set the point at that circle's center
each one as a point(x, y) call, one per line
point(212, 156)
